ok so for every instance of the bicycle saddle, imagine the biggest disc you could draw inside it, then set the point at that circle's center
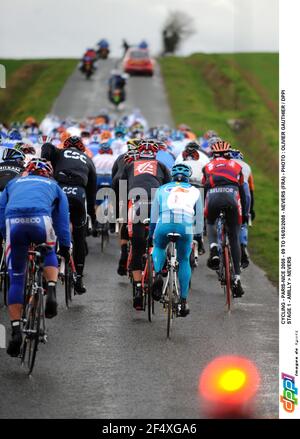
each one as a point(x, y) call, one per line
point(173, 237)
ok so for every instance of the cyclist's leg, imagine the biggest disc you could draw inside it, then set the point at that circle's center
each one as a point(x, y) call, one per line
point(138, 250)
point(184, 245)
point(211, 212)
point(159, 256)
point(18, 238)
point(122, 270)
point(244, 231)
point(138, 242)
point(78, 218)
point(50, 271)
point(233, 223)
point(234, 238)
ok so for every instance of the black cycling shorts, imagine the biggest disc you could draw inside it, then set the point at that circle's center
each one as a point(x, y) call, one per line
point(223, 198)
point(77, 205)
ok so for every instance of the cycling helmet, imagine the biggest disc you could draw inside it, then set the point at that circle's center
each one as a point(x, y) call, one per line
point(44, 139)
point(38, 166)
point(191, 146)
point(148, 148)
point(131, 156)
point(148, 145)
point(120, 130)
point(184, 127)
point(15, 135)
point(74, 142)
point(190, 154)
point(213, 140)
point(209, 134)
point(177, 135)
point(25, 148)
point(105, 148)
point(153, 132)
point(162, 145)
point(236, 155)
point(30, 121)
point(133, 144)
point(12, 154)
point(221, 147)
point(105, 134)
point(181, 172)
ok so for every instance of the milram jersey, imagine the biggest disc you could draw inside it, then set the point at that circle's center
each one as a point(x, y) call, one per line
point(9, 170)
point(31, 196)
point(178, 202)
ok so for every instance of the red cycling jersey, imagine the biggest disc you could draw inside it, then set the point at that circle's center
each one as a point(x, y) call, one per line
point(221, 172)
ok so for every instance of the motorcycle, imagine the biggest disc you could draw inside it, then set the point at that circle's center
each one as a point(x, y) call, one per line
point(117, 97)
point(87, 69)
point(103, 52)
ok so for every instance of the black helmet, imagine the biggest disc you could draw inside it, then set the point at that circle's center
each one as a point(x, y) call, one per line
point(12, 154)
point(192, 145)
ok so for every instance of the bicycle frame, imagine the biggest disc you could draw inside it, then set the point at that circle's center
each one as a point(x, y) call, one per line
point(225, 272)
point(170, 294)
point(33, 321)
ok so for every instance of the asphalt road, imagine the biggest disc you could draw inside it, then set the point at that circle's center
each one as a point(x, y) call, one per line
point(104, 359)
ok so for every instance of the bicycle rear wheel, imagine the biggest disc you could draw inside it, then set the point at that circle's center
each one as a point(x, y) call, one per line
point(227, 277)
point(170, 304)
point(32, 331)
point(69, 284)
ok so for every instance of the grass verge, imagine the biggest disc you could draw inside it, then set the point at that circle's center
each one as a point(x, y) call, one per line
point(205, 91)
point(31, 87)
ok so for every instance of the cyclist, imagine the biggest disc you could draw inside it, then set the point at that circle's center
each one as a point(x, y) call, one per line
point(143, 176)
point(249, 191)
point(117, 171)
point(196, 159)
point(11, 166)
point(32, 207)
point(165, 155)
point(116, 81)
point(223, 179)
point(175, 207)
point(76, 175)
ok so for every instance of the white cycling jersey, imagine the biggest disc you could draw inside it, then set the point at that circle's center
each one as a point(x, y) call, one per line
point(196, 165)
point(246, 169)
point(119, 146)
point(104, 163)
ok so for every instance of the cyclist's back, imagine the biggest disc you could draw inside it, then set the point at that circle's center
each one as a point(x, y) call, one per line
point(173, 211)
point(223, 179)
point(76, 174)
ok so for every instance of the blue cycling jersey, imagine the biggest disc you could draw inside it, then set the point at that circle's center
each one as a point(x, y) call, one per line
point(32, 196)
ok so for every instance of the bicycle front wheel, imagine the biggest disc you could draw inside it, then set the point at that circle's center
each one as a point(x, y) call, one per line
point(227, 277)
point(32, 331)
point(68, 284)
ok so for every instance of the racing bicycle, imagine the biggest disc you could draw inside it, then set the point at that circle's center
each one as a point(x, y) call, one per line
point(225, 271)
point(171, 295)
point(33, 320)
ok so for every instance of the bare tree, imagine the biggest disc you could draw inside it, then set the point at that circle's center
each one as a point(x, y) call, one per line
point(178, 27)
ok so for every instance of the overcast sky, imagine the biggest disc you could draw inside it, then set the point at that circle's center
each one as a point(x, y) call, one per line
point(65, 28)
